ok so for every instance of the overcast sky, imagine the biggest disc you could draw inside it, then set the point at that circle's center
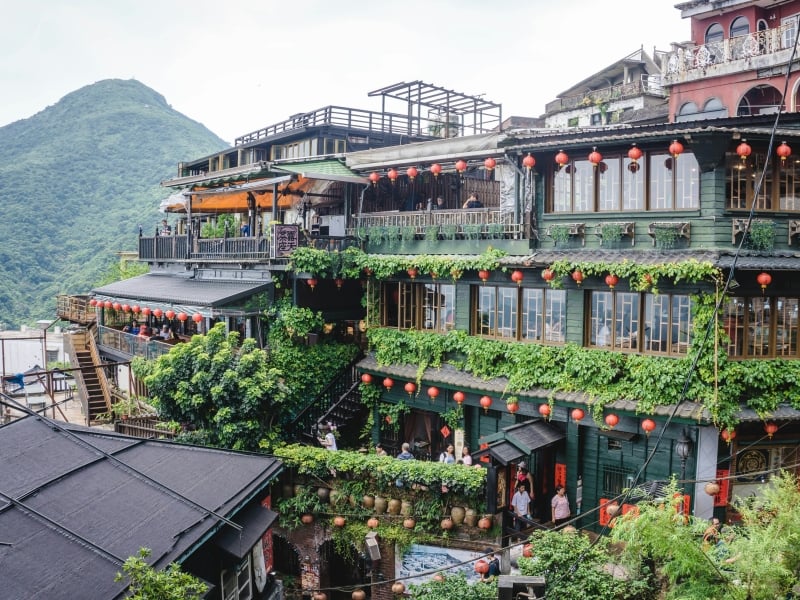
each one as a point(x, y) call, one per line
point(239, 65)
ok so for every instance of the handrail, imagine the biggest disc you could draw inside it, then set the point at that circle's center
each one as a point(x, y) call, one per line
point(345, 381)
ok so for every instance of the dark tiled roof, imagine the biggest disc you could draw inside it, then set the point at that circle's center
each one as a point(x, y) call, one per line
point(94, 512)
point(173, 289)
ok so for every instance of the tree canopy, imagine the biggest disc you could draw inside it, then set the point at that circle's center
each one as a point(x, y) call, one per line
point(147, 583)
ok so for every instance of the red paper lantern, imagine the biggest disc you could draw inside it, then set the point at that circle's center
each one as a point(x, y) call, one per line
point(611, 280)
point(146, 311)
point(93, 302)
point(635, 153)
point(517, 277)
point(578, 414)
point(312, 282)
point(548, 275)
point(676, 148)
point(486, 402)
point(483, 274)
point(107, 304)
point(743, 150)
point(433, 393)
point(170, 314)
point(410, 388)
point(764, 279)
point(366, 378)
point(649, 426)
point(561, 158)
point(412, 173)
point(771, 428)
point(392, 175)
point(490, 163)
point(116, 306)
point(436, 169)
point(512, 407)
point(461, 166)
point(728, 435)
point(157, 313)
point(182, 317)
point(577, 276)
point(339, 283)
point(544, 410)
point(412, 272)
point(197, 317)
point(388, 383)
point(374, 178)
point(529, 162)
point(595, 157)
point(784, 151)
point(126, 308)
point(611, 420)
point(458, 398)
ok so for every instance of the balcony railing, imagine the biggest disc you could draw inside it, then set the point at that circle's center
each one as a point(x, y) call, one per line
point(650, 85)
point(132, 345)
point(699, 58)
point(480, 222)
point(350, 118)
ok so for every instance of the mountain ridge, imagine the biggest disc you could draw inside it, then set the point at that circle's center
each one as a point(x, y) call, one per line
point(76, 181)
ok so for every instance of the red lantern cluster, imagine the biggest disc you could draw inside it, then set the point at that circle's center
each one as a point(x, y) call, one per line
point(728, 435)
point(116, 306)
point(146, 311)
point(93, 302)
point(412, 272)
point(157, 313)
point(170, 314)
point(366, 378)
point(312, 282)
point(126, 308)
point(135, 309)
point(512, 407)
point(182, 316)
point(483, 274)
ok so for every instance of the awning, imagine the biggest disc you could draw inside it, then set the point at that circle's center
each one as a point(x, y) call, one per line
point(254, 520)
point(519, 441)
point(324, 170)
point(182, 294)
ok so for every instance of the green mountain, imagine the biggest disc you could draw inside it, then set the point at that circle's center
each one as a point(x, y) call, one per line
point(76, 181)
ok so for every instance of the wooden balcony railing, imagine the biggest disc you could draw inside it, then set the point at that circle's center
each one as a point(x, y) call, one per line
point(446, 224)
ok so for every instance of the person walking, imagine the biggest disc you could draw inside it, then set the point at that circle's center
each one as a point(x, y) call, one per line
point(520, 502)
point(560, 506)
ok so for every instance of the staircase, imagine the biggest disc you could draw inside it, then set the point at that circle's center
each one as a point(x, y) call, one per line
point(93, 389)
point(339, 403)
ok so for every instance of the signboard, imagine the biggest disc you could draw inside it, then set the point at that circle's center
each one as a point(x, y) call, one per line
point(284, 239)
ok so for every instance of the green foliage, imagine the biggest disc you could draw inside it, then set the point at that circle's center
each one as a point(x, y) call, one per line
point(454, 587)
point(223, 227)
point(758, 560)
point(146, 583)
point(611, 232)
point(761, 235)
point(78, 179)
point(573, 568)
point(381, 472)
point(559, 233)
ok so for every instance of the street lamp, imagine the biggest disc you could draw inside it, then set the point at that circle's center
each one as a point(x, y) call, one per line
point(683, 448)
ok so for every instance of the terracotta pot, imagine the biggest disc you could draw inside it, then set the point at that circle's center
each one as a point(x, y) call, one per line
point(373, 523)
point(569, 529)
point(438, 577)
point(409, 523)
point(447, 523)
point(339, 521)
point(336, 497)
point(527, 550)
point(712, 488)
point(471, 517)
point(352, 500)
point(406, 508)
point(485, 522)
point(298, 489)
point(380, 505)
point(320, 596)
point(359, 595)
point(368, 501)
point(307, 518)
point(323, 493)
point(398, 587)
point(458, 514)
point(393, 507)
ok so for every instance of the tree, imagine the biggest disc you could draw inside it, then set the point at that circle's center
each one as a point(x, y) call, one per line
point(147, 583)
point(757, 560)
point(573, 567)
point(230, 393)
point(454, 586)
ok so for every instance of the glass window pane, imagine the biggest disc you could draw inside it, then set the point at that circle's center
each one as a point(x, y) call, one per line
point(437, 306)
point(786, 329)
point(739, 181)
point(532, 314)
point(507, 299)
point(608, 184)
point(656, 323)
point(583, 186)
point(681, 324)
point(759, 326)
point(484, 310)
point(633, 178)
point(408, 306)
point(602, 319)
point(789, 177)
point(687, 182)
point(733, 320)
point(660, 182)
point(555, 315)
point(626, 326)
point(562, 189)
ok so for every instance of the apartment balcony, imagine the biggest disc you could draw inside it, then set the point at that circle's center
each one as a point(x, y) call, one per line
point(646, 85)
point(758, 50)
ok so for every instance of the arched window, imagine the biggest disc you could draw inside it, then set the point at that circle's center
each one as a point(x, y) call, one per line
point(688, 112)
point(714, 109)
point(714, 33)
point(739, 26)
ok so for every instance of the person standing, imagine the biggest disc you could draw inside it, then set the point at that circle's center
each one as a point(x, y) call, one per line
point(560, 506)
point(466, 457)
point(405, 453)
point(329, 439)
point(520, 502)
point(448, 456)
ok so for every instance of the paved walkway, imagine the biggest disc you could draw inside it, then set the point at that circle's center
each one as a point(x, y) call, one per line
point(68, 410)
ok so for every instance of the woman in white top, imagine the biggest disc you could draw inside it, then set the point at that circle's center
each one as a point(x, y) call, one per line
point(465, 456)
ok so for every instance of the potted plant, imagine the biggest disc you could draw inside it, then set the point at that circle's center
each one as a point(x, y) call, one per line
point(665, 236)
point(761, 235)
point(560, 234)
point(611, 232)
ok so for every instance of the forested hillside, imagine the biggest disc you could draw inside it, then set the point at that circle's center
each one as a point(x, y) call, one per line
point(76, 181)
